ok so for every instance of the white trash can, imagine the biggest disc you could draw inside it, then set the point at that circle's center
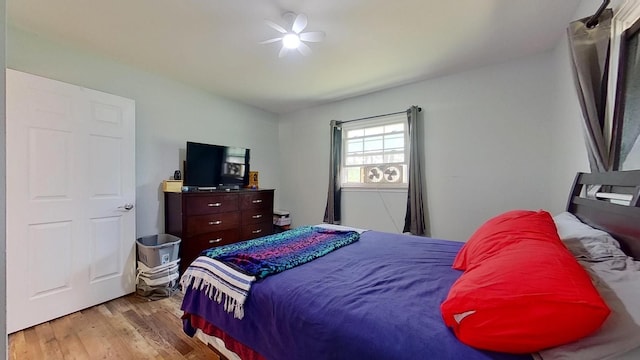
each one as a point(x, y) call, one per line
point(156, 250)
point(158, 266)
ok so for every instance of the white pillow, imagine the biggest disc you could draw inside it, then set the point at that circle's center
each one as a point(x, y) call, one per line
point(570, 227)
point(585, 242)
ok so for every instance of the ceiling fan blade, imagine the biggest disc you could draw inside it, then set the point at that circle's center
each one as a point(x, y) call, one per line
point(313, 36)
point(270, 40)
point(275, 26)
point(304, 49)
point(283, 52)
point(299, 24)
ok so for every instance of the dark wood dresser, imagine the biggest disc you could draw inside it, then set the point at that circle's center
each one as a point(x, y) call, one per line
point(206, 219)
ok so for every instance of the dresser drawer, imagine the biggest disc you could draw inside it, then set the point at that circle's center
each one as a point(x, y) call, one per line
point(210, 204)
point(256, 216)
point(256, 200)
point(252, 231)
point(216, 238)
point(191, 247)
point(214, 222)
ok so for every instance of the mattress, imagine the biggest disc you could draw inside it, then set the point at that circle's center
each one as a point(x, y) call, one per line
point(378, 298)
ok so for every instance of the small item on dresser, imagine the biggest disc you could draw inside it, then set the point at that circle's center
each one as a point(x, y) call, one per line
point(253, 180)
point(172, 185)
point(177, 175)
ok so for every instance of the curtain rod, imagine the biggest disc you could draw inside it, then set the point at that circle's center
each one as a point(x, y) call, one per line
point(593, 21)
point(375, 116)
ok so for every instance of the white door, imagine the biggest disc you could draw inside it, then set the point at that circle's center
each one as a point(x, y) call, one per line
point(70, 192)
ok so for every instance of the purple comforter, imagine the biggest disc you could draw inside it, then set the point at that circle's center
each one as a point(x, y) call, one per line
point(378, 298)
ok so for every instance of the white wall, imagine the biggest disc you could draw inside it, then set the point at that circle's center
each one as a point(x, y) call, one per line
point(168, 113)
point(501, 137)
point(487, 148)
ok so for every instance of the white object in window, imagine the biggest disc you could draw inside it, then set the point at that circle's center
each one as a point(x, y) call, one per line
point(375, 153)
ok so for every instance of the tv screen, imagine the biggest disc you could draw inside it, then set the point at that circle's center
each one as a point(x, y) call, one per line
point(214, 166)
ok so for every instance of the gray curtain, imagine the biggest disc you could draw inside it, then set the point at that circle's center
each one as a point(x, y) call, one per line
point(590, 62)
point(414, 220)
point(332, 210)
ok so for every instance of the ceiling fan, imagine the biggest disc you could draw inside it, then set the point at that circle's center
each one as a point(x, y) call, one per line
point(294, 38)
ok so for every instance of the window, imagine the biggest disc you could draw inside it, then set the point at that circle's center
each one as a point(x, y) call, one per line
point(626, 122)
point(375, 153)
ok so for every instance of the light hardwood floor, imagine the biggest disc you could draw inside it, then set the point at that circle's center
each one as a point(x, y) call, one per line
point(129, 327)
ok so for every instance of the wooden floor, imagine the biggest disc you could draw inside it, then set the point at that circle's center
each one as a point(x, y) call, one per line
point(125, 328)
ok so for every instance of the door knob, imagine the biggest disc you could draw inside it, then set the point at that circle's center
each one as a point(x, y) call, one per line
point(126, 207)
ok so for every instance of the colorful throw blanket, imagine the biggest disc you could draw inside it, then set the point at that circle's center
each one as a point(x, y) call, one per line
point(227, 272)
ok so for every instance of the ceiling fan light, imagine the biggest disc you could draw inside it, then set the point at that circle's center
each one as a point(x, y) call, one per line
point(291, 41)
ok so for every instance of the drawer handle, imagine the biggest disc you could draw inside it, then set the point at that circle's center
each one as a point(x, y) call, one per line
point(214, 204)
point(258, 201)
point(256, 216)
point(217, 222)
point(213, 241)
point(256, 231)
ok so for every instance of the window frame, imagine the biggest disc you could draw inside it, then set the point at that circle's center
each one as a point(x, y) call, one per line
point(371, 123)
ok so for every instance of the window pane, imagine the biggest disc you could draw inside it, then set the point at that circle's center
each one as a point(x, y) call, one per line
point(354, 160)
point(394, 136)
point(373, 143)
point(355, 146)
point(394, 141)
point(374, 130)
point(394, 158)
point(354, 133)
point(353, 175)
point(375, 159)
point(394, 128)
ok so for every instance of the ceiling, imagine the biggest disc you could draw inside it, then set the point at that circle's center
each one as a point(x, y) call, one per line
point(369, 45)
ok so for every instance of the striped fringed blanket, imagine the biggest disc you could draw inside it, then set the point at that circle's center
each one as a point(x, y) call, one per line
point(227, 272)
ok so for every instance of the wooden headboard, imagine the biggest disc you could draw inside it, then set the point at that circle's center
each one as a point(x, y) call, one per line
point(605, 211)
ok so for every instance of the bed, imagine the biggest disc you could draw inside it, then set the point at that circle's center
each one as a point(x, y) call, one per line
point(380, 297)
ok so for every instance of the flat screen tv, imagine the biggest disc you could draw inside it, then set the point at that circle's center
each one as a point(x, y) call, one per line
point(210, 166)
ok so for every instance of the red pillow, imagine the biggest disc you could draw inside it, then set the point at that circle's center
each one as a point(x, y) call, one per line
point(502, 230)
point(530, 294)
